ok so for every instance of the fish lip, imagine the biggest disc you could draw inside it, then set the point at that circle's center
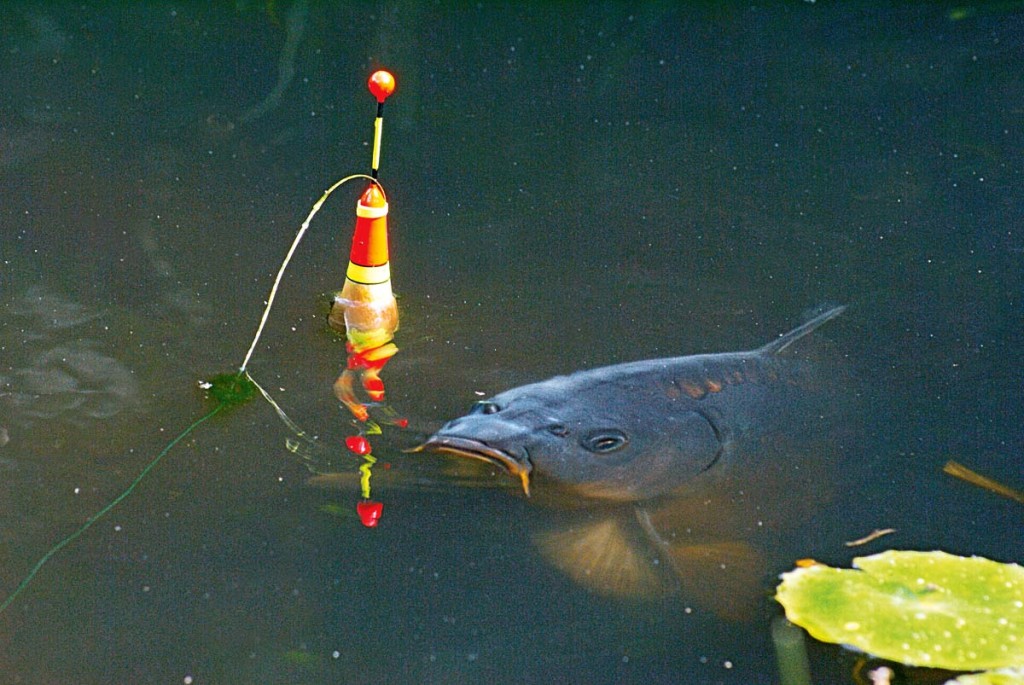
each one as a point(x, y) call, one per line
point(475, 449)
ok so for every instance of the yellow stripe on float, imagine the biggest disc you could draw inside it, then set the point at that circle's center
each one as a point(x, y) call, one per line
point(370, 212)
point(368, 275)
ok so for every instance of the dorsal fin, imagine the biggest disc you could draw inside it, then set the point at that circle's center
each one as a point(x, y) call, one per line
point(782, 342)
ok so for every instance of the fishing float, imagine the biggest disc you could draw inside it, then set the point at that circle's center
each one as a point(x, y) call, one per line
point(366, 311)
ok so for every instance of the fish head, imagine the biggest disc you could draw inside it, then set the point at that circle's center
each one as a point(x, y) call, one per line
point(594, 436)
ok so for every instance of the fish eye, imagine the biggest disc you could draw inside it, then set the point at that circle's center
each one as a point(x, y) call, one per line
point(604, 442)
point(558, 430)
point(484, 407)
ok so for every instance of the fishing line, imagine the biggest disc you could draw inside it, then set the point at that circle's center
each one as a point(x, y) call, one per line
point(294, 427)
point(232, 389)
point(288, 258)
point(105, 510)
point(228, 389)
point(273, 293)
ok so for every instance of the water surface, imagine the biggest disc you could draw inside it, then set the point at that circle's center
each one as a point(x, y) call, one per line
point(570, 186)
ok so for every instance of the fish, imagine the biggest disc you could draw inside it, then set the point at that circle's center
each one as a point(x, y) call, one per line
point(664, 470)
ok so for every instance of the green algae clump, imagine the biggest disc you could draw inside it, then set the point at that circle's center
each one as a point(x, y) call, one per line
point(918, 608)
point(230, 389)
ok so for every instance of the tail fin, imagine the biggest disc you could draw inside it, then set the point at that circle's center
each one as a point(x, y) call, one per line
point(782, 342)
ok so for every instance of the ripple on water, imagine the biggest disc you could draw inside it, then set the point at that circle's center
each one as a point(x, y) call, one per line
point(59, 370)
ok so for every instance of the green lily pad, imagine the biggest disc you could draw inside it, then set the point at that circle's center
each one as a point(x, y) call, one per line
point(1004, 676)
point(919, 608)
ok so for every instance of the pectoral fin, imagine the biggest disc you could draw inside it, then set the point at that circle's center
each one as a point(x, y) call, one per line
point(601, 557)
point(615, 557)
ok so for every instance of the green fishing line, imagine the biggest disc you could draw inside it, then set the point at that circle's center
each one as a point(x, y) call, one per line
point(229, 389)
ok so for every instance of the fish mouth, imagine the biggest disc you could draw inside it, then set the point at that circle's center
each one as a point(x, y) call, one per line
point(474, 449)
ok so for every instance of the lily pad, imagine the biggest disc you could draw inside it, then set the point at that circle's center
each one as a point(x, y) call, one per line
point(919, 608)
point(1004, 676)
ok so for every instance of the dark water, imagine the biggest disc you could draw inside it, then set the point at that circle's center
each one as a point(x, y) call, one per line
point(570, 186)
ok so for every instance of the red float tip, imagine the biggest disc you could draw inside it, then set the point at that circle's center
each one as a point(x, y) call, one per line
point(382, 84)
point(373, 197)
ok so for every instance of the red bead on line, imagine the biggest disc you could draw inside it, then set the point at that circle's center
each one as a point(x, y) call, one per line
point(369, 512)
point(358, 444)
